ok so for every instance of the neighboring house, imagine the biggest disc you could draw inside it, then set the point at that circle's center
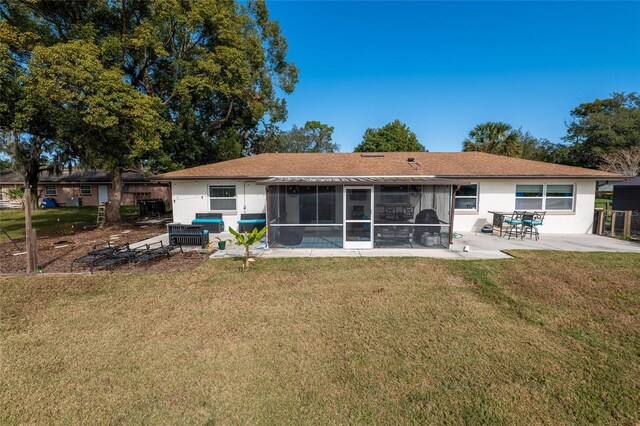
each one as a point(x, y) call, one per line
point(91, 187)
point(399, 199)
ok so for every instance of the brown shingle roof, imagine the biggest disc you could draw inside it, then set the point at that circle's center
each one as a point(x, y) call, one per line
point(440, 164)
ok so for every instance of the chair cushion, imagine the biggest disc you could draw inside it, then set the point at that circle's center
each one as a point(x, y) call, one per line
point(532, 222)
point(209, 220)
point(513, 221)
point(250, 221)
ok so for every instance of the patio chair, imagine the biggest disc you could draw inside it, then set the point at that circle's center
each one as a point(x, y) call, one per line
point(407, 213)
point(514, 224)
point(389, 214)
point(530, 223)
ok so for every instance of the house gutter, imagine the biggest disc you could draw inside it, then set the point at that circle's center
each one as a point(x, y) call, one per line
point(464, 177)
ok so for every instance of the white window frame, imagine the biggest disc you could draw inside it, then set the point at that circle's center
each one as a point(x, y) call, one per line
point(573, 197)
point(477, 198)
point(84, 194)
point(545, 197)
point(235, 197)
point(50, 194)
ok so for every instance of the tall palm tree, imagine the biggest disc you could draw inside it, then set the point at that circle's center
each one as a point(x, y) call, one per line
point(494, 138)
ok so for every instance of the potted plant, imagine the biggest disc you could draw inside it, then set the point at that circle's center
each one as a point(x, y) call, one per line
point(222, 244)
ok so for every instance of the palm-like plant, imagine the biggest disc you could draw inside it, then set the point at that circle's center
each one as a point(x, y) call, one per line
point(16, 194)
point(246, 239)
point(493, 138)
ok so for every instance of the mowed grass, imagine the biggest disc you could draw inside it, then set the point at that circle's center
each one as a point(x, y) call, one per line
point(59, 221)
point(548, 338)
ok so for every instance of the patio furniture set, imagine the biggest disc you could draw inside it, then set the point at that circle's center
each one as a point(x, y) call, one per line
point(518, 223)
point(197, 233)
point(108, 255)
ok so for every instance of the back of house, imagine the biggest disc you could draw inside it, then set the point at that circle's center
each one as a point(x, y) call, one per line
point(395, 199)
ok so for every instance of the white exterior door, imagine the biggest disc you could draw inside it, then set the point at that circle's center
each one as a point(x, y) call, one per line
point(103, 194)
point(358, 217)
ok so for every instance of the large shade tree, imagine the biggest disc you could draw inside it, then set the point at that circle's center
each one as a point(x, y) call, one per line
point(26, 131)
point(314, 136)
point(603, 126)
point(194, 77)
point(392, 137)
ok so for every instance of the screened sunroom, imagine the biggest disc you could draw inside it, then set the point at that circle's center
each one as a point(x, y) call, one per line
point(359, 213)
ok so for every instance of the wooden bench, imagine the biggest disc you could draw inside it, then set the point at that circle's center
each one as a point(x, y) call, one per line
point(187, 235)
point(212, 222)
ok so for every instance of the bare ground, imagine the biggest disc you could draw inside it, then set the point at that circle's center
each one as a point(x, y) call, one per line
point(56, 252)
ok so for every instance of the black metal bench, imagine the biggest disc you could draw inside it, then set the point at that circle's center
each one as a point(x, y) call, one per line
point(153, 251)
point(105, 254)
point(187, 235)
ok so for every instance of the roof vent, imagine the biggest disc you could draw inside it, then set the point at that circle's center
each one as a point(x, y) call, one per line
point(372, 154)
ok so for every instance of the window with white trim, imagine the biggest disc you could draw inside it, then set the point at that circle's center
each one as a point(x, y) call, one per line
point(545, 197)
point(222, 197)
point(85, 189)
point(559, 196)
point(50, 190)
point(467, 197)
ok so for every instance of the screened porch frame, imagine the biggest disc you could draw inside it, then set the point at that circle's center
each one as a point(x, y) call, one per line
point(340, 212)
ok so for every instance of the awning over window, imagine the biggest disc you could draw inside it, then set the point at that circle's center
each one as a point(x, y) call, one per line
point(356, 180)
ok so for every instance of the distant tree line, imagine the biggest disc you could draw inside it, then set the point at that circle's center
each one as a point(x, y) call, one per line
point(601, 134)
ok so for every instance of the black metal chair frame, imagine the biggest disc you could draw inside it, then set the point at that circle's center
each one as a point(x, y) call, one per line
point(516, 228)
point(531, 228)
point(110, 256)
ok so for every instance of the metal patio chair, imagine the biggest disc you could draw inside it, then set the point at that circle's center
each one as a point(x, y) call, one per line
point(515, 224)
point(530, 223)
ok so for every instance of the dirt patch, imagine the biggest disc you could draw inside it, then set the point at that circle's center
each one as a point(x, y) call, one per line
point(56, 253)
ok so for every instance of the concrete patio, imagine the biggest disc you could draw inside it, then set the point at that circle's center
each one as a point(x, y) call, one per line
point(481, 246)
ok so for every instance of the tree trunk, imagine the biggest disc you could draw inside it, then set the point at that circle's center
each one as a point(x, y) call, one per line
point(30, 245)
point(115, 201)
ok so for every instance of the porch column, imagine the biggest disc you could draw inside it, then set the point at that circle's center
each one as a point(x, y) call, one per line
point(452, 208)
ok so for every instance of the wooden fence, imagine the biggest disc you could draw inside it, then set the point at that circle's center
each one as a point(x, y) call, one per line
point(616, 223)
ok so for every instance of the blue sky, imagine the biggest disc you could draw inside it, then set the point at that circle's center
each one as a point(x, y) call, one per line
point(442, 67)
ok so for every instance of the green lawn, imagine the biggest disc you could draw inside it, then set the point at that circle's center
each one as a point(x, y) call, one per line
point(53, 221)
point(548, 337)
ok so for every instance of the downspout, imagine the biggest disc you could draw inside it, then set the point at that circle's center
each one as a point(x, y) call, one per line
point(452, 214)
point(244, 196)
